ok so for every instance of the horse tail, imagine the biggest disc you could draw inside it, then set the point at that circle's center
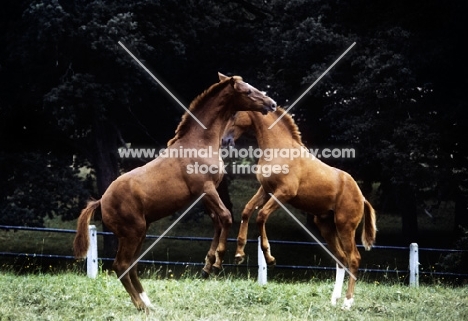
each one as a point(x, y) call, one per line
point(370, 229)
point(81, 242)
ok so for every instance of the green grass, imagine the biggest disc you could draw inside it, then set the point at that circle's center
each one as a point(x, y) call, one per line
point(72, 296)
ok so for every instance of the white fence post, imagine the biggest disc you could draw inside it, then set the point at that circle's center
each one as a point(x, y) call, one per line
point(414, 265)
point(92, 256)
point(262, 266)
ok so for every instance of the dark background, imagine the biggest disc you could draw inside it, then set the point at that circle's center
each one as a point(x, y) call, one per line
point(70, 95)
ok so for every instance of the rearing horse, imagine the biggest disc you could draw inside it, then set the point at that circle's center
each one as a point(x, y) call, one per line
point(165, 185)
point(330, 194)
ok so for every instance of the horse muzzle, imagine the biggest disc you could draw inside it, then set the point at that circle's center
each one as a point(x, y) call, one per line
point(227, 142)
point(269, 107)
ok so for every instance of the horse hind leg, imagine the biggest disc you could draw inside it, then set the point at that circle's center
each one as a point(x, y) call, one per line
point(124, 259)
point(354, 259)
point(328, 231)
point(136, 281)
point(346, 234)
point(141, 292)
point(139, 288)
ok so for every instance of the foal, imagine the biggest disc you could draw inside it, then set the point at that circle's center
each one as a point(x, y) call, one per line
point(330, 194)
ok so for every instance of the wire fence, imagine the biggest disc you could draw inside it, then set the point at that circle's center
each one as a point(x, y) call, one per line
point(208, 239)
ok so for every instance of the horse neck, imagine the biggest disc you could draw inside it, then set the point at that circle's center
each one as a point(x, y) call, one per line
point(214, 115)
point(279, 136)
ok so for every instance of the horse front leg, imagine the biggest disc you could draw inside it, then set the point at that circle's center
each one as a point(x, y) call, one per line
point(214, 204)
point(270, 206)
point(211, 255)
point(256, 201)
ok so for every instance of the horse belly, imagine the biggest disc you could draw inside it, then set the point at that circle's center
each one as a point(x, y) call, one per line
point(315, 205)
point(166, 205)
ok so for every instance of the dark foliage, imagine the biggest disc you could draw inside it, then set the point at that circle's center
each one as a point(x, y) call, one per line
point(37, 185)
point(70, 95)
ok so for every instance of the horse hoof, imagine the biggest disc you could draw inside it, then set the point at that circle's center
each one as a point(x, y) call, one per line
point(216, 270)
point(239, 259)
point(205, 274)
point(347, 304)
point(142, 308)
point(271, 264)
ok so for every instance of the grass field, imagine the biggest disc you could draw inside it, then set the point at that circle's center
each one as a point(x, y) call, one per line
point(33, 288)
point(72, 296)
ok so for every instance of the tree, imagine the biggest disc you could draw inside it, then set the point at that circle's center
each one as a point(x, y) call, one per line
point(396, 110)
point(383, 99)
point(38, 180)
point(68, 88)
point(37, 185)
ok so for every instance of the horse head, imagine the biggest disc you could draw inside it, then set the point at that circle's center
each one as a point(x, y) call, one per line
point(236, 126)
point(250, 98)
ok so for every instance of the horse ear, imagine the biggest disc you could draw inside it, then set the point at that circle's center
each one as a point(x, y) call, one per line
point(222, 77)
point(240, 86)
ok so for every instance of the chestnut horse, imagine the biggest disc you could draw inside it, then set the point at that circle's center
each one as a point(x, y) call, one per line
point(165, 185)
point(330, 194)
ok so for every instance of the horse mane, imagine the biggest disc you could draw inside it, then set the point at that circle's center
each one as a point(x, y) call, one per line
point(290, 124)
point(186, 121)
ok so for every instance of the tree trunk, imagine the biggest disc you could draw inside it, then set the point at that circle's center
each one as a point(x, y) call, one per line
point(406, 203)
point(107, 170)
